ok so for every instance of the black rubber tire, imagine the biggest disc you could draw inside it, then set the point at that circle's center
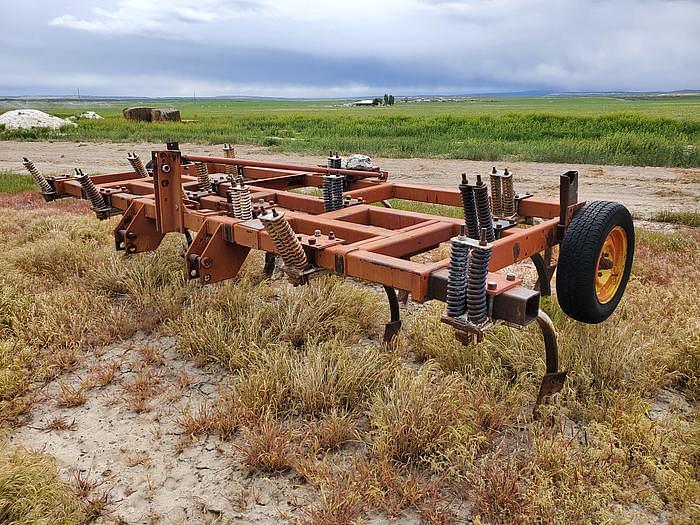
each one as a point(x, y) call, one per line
point(578, 260)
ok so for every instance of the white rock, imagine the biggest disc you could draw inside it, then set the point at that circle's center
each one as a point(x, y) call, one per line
point(358, 162)
point(91, 115)
point(32, 118)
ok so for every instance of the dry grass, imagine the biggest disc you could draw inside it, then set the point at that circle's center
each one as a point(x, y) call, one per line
point(267, 446)
point(70, 395)
point(234, 323)
point(32, 492)
point(427, 427)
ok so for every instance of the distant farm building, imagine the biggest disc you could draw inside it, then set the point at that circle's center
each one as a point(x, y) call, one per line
point(366, 102)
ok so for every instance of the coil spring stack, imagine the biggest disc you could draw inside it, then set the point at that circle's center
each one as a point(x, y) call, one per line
point(137, 164)
point(229, 153)
point(239, 197)
point(470, 256)
point(203, 179)
point(91, 191)
point(502, 193)
point(457, 277)
point(38, 177)
point(284, 239)
point(477, 271)
point(333, 192)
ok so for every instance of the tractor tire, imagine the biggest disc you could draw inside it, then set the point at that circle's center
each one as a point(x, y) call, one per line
point(595, 261)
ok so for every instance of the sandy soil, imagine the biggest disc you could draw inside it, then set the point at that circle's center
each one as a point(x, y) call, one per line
point(135, 456)
point(642, 189)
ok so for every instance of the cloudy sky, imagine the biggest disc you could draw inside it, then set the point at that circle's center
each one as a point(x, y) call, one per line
point(317, 48)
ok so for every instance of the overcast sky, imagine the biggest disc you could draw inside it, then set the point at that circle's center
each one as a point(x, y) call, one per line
point(316, 48)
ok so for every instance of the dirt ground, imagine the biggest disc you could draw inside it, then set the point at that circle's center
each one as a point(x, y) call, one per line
point(643, 190)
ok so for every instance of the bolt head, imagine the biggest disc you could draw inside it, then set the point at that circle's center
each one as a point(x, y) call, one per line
point(317, 233)
point(312, 240)
point(207, 278)
point(491, 285)
point(510, 276)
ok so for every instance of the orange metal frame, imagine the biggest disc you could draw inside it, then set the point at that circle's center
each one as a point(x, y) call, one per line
point(361, 240)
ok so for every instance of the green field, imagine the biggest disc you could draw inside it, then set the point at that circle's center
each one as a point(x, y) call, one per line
point(659, 131)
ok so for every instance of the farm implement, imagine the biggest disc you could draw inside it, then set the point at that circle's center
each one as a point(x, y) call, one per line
point(326, 219)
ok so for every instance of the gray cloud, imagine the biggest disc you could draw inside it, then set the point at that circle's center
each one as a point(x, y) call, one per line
point(317, 48)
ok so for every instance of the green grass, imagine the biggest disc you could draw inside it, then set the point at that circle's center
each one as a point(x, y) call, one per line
point(662, 131)
point(11, 182)
point(686, 218)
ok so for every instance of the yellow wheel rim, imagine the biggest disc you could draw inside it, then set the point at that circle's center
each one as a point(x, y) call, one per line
point(611, 265)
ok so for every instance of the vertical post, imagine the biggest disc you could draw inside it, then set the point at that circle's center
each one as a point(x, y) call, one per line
point(168, 188)
point(568, 194)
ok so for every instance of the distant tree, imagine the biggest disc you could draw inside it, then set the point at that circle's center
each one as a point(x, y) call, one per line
point(376, 101)
point(386, 99)
point(391, 100)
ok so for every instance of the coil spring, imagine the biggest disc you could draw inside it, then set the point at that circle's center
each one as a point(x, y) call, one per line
point(334, 162)
point(470, 215)
point(508, 197)
point(234, 197)
point(333, 192)
point(203, 177)
point(477, 273)
point(242, 202)
point(229, 153)
point(483, 208)
point(338, 188)
point(457, 277)
point(37, 176)
point(496, 192)
point(327, 193)
point(137, 165)
point(285, 240)
point(96, 198)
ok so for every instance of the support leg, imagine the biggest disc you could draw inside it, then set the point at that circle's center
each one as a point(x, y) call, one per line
point(543, 275)
point(392, 328)
point(270, 260)
point(553, 380)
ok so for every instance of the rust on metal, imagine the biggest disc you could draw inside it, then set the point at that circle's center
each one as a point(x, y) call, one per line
point(360, 236)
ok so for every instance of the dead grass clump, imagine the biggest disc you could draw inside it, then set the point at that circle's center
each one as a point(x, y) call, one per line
point(69, 395)
point(225, 323)
point(138, 392)
point(333, 376)
point(57, 257)
point(332, 431)
point(422, 413)
point(15, 377)
point(548, 479)
point(101, 374)
point(267, 446)
point(32, 492)
point(327, 307)
point(233, 322)
point(380, 485)
point(59, 423)
point(429, 338)
point(154, 281)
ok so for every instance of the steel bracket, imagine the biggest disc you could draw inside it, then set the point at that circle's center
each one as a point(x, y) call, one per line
point(212, 256)
point(136, 232)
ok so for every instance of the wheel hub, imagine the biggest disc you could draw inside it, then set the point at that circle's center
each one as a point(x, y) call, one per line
point(611, 265)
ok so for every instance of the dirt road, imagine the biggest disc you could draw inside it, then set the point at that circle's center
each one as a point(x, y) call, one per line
point(642, 189)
